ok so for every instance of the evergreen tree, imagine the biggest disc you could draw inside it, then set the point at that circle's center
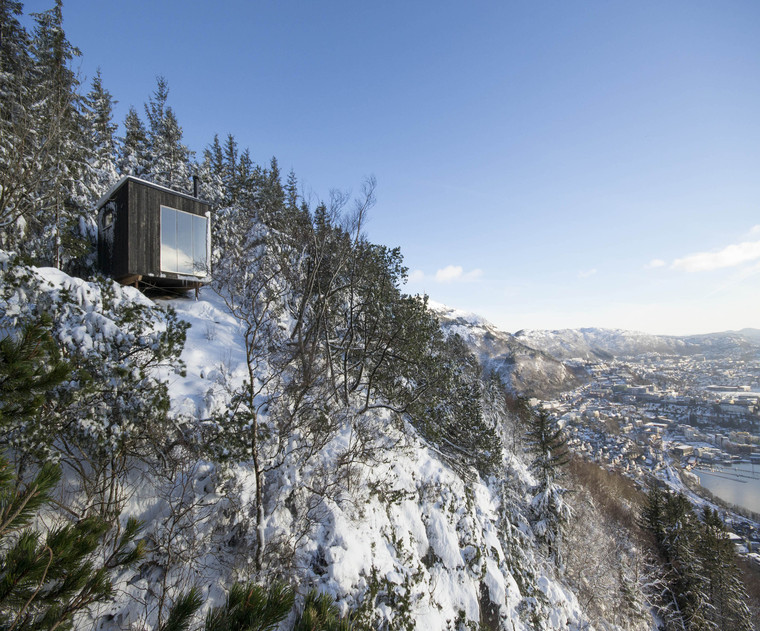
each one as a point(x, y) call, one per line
point(291, 192)
point(231, 178)
point(214, 157)
point(687, 583)
point(724, 589)
point(57, 227)
point(42, 147)
point(30, 369)
point(169, 158)
point(98, 121)
point(272, 196)
point(548, 444)
point(248, 184)
point(134, 156)
point(296, 217)
point(44, 583)
point(18, 133)
point(319, 613)
point(172, 157)
point(684, 601)
point(250, 607)
point(653, 515)
point(211, 171)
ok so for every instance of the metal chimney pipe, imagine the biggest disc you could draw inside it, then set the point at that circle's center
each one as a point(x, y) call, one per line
point(196, 182)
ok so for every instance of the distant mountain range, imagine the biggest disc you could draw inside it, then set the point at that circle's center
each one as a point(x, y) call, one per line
point(589, 344)
point(538, 362)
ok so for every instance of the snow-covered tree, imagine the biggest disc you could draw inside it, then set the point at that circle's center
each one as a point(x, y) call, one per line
point(113, 407)
point(18, 146)
point(724, 588)
point(57, 231)
point(169, 156)
point(133, 154)
point(210, 172)
point(42, 148)
point(548, 445)
point(100, 172)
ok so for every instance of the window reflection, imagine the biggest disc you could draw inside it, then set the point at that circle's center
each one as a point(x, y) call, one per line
point(184, 242)
point(168, 239)
point(200, 245)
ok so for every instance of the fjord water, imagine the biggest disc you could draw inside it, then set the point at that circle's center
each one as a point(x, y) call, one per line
point(737, 484)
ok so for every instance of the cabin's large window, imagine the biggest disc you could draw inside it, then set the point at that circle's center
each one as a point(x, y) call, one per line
point(184, 242)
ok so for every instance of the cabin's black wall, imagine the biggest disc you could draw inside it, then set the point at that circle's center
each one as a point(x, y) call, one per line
point(113, 241)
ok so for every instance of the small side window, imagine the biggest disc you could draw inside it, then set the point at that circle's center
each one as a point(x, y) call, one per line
point(108, 215)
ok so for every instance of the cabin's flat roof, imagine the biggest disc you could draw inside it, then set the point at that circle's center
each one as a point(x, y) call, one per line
point(132, 178)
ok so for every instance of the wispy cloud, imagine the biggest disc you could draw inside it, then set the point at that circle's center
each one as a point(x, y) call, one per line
point(654, 263)
point(448, 274)
point(754, 231)
point(730, 256)
point(455, 273)
point(586, 273)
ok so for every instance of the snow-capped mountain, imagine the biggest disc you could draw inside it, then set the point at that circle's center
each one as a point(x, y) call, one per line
point(593, 343)
point(526, 369)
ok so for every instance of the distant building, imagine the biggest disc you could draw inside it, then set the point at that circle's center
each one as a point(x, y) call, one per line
point(716, 388)
point(682, 450)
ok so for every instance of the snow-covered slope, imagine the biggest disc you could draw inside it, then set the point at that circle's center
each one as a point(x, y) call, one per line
point(403, 538)
point(430, 547)
point(527, 369)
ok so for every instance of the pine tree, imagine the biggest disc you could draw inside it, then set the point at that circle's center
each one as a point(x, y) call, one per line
point(30, 368)
point(211, 171)
point(214, 157)
point(319, 613)
point(56, 226)
point(679, 543)
point(98, 121)
point(272, 196)
point(250, 607)
point(724, 589)
point(548, 444)
point(18, 134)
point(248, 183)
point(45, 582)
point(230, 176)
point(169, 158)
point(134, 157)
point(46, 578)
point(42, 148)
point(653, 515)
point(172, 157)
point(684, 601)
point(291, 192)
point(297, 219)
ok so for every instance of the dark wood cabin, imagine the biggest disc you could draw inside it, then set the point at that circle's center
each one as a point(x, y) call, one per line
point(150, 235)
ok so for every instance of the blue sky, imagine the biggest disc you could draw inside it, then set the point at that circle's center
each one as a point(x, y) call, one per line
point(544, 164)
